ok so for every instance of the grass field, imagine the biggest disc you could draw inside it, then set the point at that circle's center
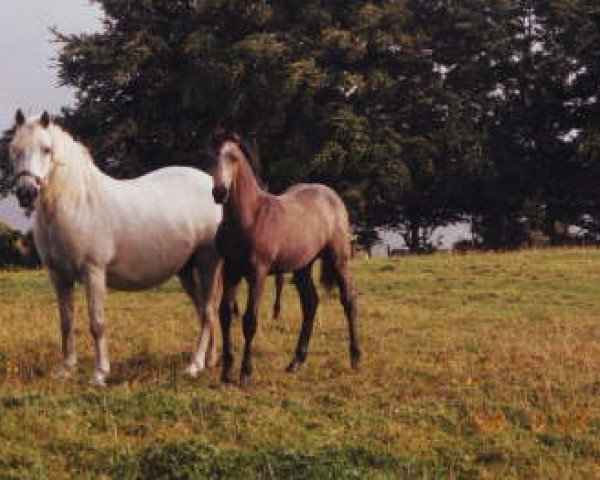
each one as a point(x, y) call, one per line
point(476, 366)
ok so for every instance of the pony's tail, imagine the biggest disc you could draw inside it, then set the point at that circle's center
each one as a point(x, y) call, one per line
point(328, 272)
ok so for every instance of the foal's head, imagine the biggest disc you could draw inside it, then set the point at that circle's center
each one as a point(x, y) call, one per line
point(30, 156)
point(228, 152)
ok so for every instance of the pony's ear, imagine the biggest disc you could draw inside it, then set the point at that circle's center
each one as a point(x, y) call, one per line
point(45, 119)
point(236, 138)
point(19, 118)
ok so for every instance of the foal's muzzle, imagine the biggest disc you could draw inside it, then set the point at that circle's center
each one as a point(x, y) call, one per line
point(220, 194)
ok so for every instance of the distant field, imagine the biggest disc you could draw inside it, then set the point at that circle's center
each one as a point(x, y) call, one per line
point(476, 366)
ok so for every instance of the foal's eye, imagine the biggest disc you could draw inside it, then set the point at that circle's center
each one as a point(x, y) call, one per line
point(46, 150)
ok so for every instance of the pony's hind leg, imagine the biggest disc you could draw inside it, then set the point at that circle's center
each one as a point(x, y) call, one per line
point(63, 287)
point(199, 279)
point(211, 284)
point(309, 301)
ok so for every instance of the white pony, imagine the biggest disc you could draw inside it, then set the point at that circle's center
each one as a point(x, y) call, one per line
point(124, 234)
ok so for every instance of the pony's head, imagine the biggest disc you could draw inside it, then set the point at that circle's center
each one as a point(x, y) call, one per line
point(30, 156)
point(227, 152)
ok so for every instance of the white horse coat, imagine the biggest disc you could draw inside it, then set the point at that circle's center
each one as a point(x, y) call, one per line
point(142, 230)
point(125, 234)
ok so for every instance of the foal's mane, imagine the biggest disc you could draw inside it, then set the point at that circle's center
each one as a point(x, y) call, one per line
point(220, 136)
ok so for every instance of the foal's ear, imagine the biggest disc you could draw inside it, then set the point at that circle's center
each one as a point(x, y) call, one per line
point(19, 118)
point(45, 119)
point(218, 136)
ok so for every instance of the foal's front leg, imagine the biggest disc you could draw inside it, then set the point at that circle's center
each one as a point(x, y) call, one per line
point(279, 281)
point(63, 287)
point(230, 284)
point(95, 287)
point(255, 287)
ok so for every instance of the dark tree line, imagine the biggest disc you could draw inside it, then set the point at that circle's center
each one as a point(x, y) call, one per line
point(419, 112)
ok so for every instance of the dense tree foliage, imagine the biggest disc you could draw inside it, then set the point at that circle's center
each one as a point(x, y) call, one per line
point(419, 112)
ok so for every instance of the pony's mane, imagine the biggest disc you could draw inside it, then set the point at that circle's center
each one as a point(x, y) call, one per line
point(220, 136)
point(68, 150)
point(73, 173)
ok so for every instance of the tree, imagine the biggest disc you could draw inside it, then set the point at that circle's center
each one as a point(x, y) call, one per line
point(5, 168)
point(418, 112)
point(510, 71)
point(340, 92)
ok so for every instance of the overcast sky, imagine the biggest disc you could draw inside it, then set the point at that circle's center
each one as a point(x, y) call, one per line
point(28, 77)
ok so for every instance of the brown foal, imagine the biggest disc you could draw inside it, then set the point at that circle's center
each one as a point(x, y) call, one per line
point(263, 234)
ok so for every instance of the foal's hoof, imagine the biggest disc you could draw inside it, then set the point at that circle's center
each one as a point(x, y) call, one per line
point(245, 381)
point(355, 355)
point(227, 379)
point(293, 367)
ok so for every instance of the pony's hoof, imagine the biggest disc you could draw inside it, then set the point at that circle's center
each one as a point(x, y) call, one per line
point(193, 369)
point(211, 361)
point(98, 380)
point(355, 364)
point(63, 373)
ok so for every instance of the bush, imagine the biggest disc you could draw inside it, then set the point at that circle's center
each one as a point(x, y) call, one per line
point(16, 249)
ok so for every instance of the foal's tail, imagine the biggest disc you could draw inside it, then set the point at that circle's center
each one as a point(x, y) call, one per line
point(328, 271)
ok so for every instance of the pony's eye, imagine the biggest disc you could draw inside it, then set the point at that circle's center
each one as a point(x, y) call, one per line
point(46, 150)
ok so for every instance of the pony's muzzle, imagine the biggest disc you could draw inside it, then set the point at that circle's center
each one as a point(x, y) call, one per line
point(27, 191)
point(220, 193)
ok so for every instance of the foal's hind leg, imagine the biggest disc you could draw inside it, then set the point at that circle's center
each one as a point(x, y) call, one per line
point(309, 301)
point(348, 299)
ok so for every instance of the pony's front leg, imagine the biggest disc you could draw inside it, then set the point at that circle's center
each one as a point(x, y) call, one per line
point(255, 284)
point(63, 287)
point(95, 287)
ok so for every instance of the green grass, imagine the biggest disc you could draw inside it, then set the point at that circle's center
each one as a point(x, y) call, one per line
point(476, 366)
